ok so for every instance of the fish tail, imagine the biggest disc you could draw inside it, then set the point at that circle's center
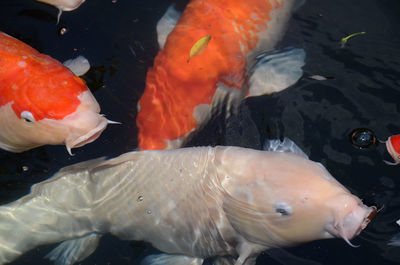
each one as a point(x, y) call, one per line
point(56, 210)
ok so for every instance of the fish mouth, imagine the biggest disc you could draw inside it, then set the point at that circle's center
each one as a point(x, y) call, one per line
point(353, 223)
point(88, 137)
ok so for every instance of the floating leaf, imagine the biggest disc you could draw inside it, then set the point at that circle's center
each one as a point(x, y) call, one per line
point(344, 40)
point(199, 46)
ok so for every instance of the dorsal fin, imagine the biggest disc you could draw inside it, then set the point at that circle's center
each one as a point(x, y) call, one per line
point(285, 146)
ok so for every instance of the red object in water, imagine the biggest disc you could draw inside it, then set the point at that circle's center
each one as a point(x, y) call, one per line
point(393, 147)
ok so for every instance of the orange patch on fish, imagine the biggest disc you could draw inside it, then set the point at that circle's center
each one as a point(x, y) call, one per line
point(36, 82)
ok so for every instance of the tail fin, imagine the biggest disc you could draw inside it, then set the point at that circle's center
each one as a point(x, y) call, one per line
point(56, 210)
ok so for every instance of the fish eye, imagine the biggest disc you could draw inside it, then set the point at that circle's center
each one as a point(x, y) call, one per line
point(283, 208)
point(27, 116)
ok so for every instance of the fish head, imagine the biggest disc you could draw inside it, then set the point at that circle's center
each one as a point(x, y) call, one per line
point(282, 199)
point(24, 130)
point(42, 101)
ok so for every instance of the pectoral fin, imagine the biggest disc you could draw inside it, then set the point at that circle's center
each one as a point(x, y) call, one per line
point(166, 24)
point(79, 66)
point(165, 259)
point(286, 146)
point(276, 71)
point(71, 251)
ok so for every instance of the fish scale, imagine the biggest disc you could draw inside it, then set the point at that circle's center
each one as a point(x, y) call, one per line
point(190, 196)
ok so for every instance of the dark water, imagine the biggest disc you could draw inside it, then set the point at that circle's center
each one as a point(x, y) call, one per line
point(364, 91)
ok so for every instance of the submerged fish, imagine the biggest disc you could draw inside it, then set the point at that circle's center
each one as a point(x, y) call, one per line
point(42, 101)
point(393, 148)
point(63, 5)
point(227, 203)
point(180, 96)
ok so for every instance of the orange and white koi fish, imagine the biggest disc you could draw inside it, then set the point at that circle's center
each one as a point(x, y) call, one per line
point(223, 203)
point(393, 148)
point(42, 101)
point(223, 40)
point(63, 5)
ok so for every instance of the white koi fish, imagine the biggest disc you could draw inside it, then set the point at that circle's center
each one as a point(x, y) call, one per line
point(226, 203)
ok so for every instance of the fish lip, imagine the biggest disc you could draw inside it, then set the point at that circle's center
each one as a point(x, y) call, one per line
point(352, 224)
point(89, 137)
point(367, 219)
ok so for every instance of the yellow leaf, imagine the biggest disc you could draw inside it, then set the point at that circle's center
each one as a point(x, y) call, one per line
point(199, 46)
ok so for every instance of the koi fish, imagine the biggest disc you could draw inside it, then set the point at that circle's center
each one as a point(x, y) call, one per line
point(393, 148)
point(226, 203)
point(179, 96)
point(42, 101)
point(63, 5)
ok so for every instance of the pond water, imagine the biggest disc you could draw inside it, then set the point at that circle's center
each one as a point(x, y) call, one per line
point(363, 91)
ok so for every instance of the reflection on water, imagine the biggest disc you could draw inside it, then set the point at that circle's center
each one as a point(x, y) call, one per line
point(318, 115)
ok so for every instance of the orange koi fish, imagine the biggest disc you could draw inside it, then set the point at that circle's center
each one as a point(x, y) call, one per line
point(393, 148)
point(180, 95)
point(42, 101)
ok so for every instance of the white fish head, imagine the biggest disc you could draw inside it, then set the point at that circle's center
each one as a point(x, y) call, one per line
point(76, 129)
point(281, 199)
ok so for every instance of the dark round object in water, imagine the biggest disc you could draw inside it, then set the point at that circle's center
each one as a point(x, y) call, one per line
point(362, 138)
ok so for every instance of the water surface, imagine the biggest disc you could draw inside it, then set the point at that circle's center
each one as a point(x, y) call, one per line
point(119, 40)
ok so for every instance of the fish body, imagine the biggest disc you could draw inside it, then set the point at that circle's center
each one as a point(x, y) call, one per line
point(181, 94)
point(227, 203)
point(393, 148)
point(42, 101)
